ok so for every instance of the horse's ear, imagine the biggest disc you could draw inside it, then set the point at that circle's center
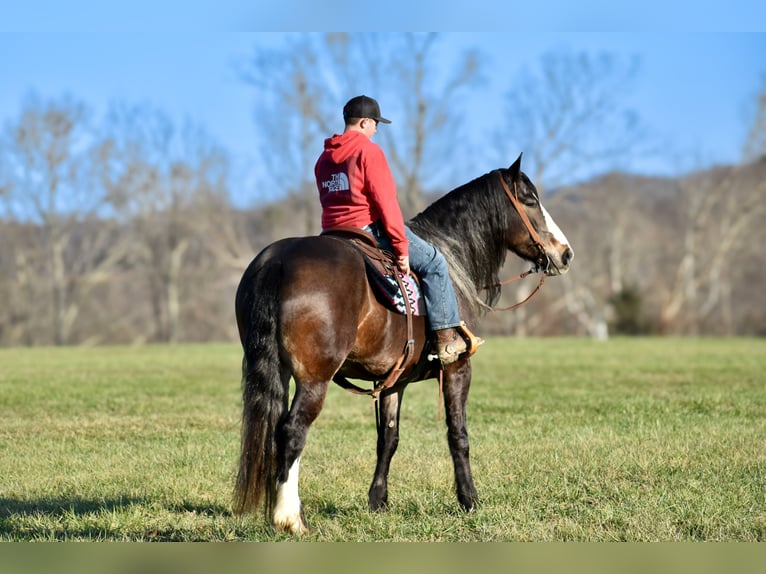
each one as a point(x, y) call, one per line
point(515, 168)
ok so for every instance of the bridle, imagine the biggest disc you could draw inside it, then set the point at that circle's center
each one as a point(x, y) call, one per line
point(538, 242)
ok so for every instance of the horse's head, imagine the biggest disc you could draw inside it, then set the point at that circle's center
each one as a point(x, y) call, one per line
point(538, 238)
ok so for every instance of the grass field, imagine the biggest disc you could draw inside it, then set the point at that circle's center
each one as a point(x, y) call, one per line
point(632, 439)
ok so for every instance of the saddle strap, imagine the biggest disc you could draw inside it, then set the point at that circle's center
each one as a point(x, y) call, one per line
point(401, 362)
point(409, 346)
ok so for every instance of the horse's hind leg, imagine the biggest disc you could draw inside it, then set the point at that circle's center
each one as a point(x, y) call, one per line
point(389, 406)
point(291, 438)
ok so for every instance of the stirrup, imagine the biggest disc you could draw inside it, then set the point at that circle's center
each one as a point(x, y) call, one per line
point(471, 340)
point(464, 335)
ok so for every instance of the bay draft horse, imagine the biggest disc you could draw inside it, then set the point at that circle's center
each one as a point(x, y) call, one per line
point(305, 310)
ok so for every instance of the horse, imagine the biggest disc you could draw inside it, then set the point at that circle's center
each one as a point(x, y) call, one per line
point(305, 310)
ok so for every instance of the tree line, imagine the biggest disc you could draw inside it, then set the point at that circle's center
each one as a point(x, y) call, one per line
point(127, 229)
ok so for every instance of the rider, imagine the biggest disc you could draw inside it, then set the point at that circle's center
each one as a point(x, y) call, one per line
point(356, 189)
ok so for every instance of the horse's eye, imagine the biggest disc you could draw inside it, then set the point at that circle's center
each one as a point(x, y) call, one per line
point(532, 201)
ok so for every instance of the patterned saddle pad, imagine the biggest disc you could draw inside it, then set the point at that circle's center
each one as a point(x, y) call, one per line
point(389, 292)
point(380, 269)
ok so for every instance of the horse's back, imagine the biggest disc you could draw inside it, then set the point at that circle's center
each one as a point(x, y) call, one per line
point(320, 271)
point(321, 293)
point(312, 259)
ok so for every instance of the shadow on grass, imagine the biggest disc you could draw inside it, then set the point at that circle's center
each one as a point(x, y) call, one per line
point(10, 507)
point(34, 519)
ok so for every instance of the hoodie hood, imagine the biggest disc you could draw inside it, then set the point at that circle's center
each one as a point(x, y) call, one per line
point(343, 146)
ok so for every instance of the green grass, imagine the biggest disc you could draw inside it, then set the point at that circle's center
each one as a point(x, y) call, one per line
point(633, 439)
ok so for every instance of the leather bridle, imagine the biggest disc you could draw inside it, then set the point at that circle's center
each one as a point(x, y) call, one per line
point(535, 238)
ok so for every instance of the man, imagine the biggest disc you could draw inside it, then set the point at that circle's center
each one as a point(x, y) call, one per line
point(356, 189)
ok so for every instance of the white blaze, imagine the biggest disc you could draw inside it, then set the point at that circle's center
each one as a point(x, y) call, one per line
point(553, 228)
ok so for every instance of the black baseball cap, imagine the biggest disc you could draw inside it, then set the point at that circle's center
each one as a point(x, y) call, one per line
point(363, 107)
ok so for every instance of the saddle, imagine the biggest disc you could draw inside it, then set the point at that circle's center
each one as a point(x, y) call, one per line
point(381, 269)
point(366, 243)
point(389, 284)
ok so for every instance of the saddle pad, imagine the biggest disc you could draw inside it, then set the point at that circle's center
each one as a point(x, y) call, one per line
point(388, 290)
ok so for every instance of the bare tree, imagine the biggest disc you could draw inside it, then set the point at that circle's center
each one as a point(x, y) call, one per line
point(25, 297)
point(717, 211)
point(291, 112)
point(163, 184)
point(569, 120)
point(301, 88)
point(755, 144)
point(423, 149)
point(47, 184)
point(606, 219)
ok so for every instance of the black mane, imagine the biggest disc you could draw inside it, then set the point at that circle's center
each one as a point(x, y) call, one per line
point(469, 226)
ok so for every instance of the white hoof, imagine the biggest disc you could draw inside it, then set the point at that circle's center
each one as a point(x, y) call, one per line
point(290, 523)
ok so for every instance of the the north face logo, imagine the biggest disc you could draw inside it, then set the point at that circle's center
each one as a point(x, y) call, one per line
point(339, 182)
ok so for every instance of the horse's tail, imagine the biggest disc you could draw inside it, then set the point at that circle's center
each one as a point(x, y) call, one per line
point(264, 390)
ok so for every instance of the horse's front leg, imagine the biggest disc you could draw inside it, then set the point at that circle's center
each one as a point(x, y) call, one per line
point(389, 406)
point(457, 381)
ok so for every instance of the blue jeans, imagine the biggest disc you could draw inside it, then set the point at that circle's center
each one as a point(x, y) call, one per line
point(429, 265)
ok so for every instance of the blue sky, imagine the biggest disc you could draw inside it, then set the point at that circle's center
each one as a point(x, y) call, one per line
point(506, 16)
point(695, 86)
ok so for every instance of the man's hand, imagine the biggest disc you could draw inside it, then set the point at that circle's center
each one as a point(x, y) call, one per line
point(403, 264)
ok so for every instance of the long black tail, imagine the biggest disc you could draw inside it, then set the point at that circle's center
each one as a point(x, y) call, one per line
point(265, 388)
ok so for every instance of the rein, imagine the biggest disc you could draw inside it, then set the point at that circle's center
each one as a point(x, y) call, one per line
point(535, 237)
point(506, 282)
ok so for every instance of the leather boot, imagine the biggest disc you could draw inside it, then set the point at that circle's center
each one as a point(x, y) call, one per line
point(453, 342)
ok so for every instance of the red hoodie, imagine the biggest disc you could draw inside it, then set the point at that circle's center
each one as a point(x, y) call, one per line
point(356, 187)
